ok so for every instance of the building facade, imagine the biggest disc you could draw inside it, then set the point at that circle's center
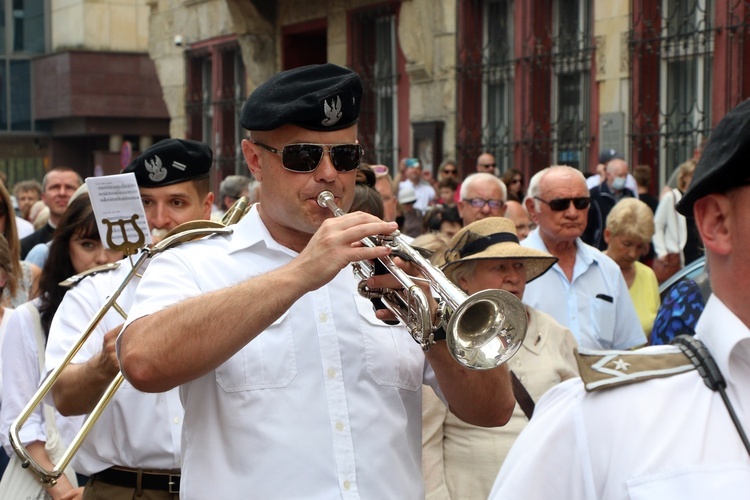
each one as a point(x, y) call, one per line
point(79, 88)
point(536, 82)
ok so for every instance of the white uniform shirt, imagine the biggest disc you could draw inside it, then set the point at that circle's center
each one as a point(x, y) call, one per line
point(325, 403)
point(596, 306)
point(424, 192)
point(136, 429)
point(21, 376)
point(659, 439)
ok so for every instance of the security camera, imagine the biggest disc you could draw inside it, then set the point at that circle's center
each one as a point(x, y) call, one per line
point(178, 40)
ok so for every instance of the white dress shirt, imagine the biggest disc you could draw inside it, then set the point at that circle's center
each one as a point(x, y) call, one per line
point(596, 306)
point(659, 439)
point(424, 192)
point(325, 403)
point(136, 429)
point(20, 359)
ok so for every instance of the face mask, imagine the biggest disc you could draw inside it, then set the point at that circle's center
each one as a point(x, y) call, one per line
point(618, 183)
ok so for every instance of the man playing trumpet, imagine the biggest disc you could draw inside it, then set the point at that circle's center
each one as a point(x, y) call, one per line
point(292, 386)
point(134, 448)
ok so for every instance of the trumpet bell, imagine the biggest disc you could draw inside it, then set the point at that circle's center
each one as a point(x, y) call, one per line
point(487, 329)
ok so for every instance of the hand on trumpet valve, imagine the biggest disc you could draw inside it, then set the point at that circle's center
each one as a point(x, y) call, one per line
point(390, 282)
point(337, 243)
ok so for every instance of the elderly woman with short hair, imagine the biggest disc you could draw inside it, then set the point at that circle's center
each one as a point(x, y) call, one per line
point(461, 460)
point(630, 227)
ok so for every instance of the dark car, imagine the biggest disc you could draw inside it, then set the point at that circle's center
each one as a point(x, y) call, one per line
point(691, 271)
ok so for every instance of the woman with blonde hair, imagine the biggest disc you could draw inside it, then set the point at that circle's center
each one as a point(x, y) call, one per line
point(676, 240)
point(629, 229)
point(22, 287)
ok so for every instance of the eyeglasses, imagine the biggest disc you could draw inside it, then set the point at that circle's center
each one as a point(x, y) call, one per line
point(488, 165)
point(480, 203)
point(561, 204)
point(516, 181)
point(449, 171)
point(306, 157)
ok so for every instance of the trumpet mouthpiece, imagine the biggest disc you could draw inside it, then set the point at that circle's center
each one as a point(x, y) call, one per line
point(324, 197)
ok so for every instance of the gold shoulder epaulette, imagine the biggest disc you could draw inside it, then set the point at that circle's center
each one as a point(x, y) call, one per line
point(605, 369)
point(74, 280)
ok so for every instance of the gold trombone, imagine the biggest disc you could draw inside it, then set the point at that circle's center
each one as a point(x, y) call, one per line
point(183, 233)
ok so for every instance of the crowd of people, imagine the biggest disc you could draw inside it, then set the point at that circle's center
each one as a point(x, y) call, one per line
point(253, 368)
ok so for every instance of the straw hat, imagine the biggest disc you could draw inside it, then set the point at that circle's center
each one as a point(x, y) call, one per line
point(494, 238)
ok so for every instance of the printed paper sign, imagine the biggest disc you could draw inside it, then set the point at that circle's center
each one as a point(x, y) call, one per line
point(119, 212)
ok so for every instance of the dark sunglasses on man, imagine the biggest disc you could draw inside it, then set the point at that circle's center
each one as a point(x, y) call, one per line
point(562, 204)
point(305, 157)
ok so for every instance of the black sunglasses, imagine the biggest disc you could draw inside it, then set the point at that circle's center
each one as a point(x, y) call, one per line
point(561, 204)
point(306, 157)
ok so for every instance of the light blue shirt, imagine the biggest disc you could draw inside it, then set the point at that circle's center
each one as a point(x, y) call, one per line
point(38, 254)
point(595, 306)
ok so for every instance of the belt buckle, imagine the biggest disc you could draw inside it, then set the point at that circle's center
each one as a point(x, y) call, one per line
point(174, 484)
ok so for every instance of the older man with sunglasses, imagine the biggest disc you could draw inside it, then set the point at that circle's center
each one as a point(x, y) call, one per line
point(292, 385)
point(585, 290)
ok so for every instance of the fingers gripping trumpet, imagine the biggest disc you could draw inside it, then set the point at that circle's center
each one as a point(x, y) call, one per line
point(483, 330)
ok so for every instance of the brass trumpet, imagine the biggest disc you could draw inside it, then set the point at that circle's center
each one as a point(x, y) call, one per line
point(184, 232)
point(483, 330)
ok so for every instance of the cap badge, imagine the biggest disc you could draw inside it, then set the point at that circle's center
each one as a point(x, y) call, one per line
point(333, 112)
point(157, 172)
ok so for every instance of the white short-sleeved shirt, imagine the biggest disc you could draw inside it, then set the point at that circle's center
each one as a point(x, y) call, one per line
point(424, 192)
point(325, 403)
point(136, 429)
point(20, 360)
point(596, 306)
point(663, 438)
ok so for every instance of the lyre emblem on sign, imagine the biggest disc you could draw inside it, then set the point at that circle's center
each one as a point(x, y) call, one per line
point(127, 247)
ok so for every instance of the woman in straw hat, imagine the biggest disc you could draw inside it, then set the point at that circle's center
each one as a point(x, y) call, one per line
point(462, 460)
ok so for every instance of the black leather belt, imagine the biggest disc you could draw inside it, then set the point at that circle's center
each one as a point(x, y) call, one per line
point(162, 481)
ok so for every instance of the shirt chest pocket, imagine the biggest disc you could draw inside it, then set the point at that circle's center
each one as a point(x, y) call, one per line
point(267, 362)
point(603, 318)
point(393, 358)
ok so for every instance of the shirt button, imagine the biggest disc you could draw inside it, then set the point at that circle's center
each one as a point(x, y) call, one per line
point(339, 426)
point(331, 373)
point(523, 378)
point(323, 317)
point(176, 420)
point(347, 485)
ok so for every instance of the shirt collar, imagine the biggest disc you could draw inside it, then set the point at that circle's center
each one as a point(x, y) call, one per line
point(251, 231)
point(722, 332)
point(584, 253)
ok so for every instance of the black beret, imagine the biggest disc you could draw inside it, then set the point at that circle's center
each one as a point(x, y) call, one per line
point(171, 161)
point(319, 97)
point(725, 162)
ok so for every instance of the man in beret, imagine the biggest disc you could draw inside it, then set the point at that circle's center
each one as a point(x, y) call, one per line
point(669, 435)
point(134, 448)
point(293, 387)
